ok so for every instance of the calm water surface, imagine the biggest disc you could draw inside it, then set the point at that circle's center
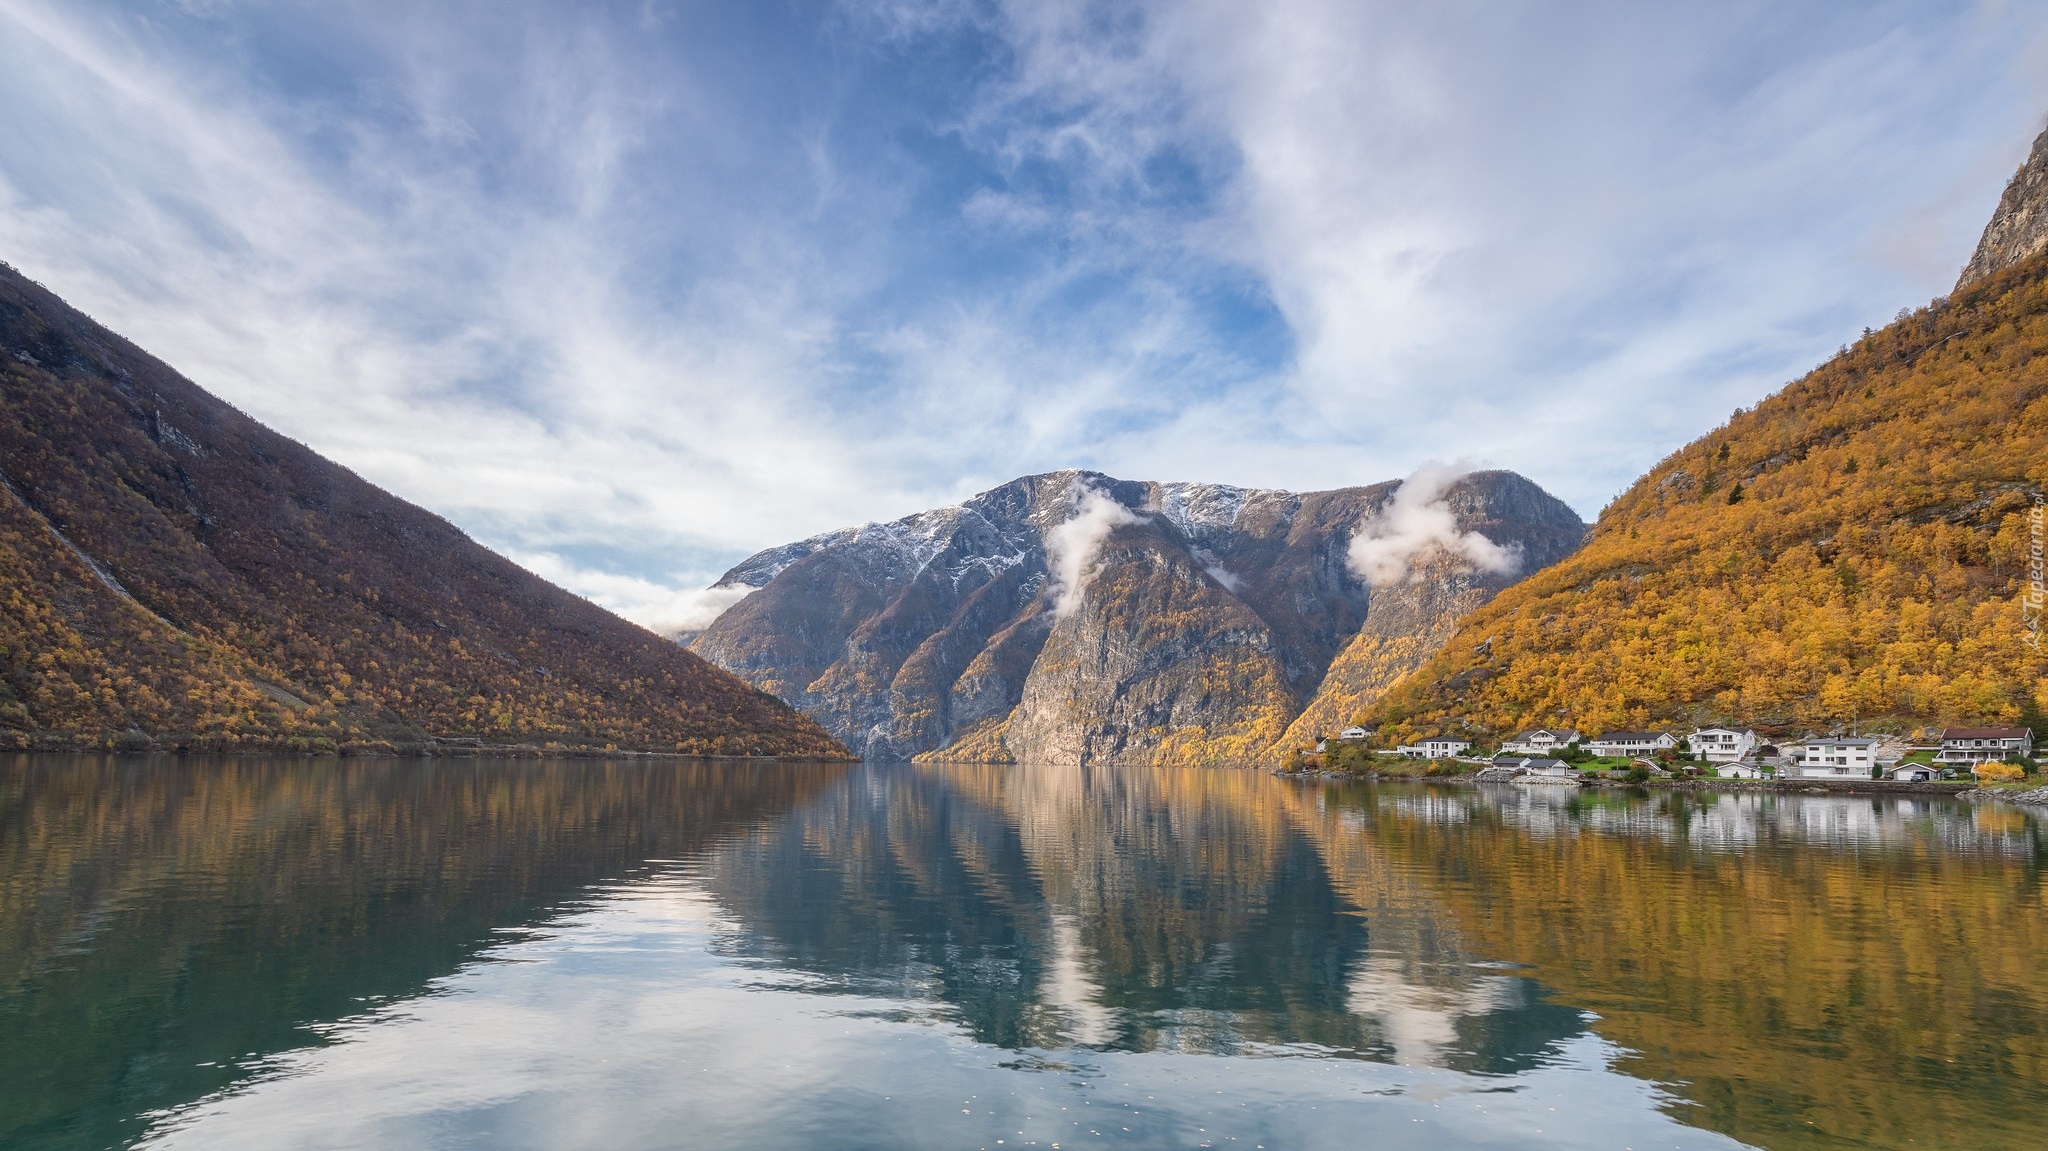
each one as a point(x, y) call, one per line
point(401, 954)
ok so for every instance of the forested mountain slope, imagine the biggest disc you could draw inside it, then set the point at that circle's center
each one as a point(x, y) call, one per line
point(174, 574)
point(1856, 549)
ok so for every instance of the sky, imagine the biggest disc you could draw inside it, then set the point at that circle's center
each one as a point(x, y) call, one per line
point(631, 291)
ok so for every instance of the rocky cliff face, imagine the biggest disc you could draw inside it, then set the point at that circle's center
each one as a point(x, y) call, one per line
point(1073, 617)
point(2019, 228)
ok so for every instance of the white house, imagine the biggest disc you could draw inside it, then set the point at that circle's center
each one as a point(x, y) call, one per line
point(1542, 770)
point(1542, 741)
point(1836, 757)
point(1741, 771)
point(1722, 744)
point(1435, 747)
point(1355, 734)
point(1628, 744)
point(1914, 772)
point(1549, 768)
point(1974, 745)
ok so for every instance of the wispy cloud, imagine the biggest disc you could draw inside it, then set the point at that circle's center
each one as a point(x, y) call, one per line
point(1073, 545)
point(1419, 523)
point(633, 291)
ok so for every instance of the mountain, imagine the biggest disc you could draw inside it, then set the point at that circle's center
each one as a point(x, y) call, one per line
point(2019, 226)
point(1412, 619)
point(1074, 617)
point(173, 573)
point(1859, 548)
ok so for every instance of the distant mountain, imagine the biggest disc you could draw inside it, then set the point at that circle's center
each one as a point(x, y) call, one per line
point(172, 573)
point(1074, 617)
point(1863, 547)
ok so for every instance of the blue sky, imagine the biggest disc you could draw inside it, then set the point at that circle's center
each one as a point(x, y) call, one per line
point(630, 291)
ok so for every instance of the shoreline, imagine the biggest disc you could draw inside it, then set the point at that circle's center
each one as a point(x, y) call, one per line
point(1953, 788)
point(424, 752)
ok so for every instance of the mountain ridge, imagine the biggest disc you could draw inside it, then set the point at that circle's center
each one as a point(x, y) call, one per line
point(1194, 628)
point(2018, 228)
point(175, 574)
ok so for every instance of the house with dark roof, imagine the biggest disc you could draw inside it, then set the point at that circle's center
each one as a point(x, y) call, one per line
point(1542, 741)
point(1975, 745)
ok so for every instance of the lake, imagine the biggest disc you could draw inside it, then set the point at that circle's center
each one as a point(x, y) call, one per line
point(307, 953)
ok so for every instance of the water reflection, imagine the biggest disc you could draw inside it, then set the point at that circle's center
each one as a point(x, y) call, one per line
point(1801, 971)
point(165, 925)
point(1164, 910)
point(599, 955)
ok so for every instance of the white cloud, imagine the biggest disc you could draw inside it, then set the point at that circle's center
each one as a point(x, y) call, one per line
point(1072, 545)
point(655, 606)
point(589, 283)
point(1418, 522)
point(1512, 229)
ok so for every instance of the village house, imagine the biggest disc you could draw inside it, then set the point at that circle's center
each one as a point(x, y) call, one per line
point(1512, 767)
point(1974, 745)
point(1741, 771)
point(1722, 744)
point(1542, 741)
point(1355, 734)
point(1629, 744)
point(1541, 770)
point(1836, 757)
point(1435, 747)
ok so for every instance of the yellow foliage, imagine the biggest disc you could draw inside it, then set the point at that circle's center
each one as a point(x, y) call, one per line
point(2000, 772)
point(981, 743)
point(1871, 570)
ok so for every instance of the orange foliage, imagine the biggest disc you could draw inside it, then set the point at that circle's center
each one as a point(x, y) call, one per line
point(1870, 570)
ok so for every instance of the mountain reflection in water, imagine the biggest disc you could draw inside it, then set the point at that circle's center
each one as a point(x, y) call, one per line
point(400, 954)
point(1188, 910)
